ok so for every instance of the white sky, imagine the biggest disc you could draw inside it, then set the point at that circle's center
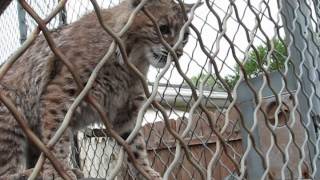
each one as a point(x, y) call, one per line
point(204, 21)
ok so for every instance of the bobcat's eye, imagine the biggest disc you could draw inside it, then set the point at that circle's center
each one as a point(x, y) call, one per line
point(165, 29)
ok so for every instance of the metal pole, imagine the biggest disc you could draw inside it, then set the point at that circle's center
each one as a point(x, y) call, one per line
point(247, 105)
point(316, 6)
point(22, 23)
point(253, 162)
point(62, 16)
point(305, 48)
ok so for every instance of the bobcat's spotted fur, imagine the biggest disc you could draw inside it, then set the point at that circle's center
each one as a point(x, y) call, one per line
point(42, 88)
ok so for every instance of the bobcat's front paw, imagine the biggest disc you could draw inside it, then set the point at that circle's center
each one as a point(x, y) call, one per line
point(152, 173)
point(78, 173)
point(51, 174)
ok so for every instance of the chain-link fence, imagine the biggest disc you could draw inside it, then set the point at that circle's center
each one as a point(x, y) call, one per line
point(241, 103)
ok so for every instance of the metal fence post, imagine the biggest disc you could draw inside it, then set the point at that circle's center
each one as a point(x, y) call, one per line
point(22, 23)
point(62, 16)
point(316, 6)
point(298, 29)
point(246, 103)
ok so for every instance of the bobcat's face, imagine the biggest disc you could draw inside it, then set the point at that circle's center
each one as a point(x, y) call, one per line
point(157, 54)
point(170, 20)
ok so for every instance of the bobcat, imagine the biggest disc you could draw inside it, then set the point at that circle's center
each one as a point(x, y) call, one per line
point(43, 89)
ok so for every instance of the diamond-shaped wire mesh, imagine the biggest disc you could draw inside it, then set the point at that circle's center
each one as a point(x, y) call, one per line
point(255, 69)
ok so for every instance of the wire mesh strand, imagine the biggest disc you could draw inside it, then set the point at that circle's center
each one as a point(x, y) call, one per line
point(242, 102)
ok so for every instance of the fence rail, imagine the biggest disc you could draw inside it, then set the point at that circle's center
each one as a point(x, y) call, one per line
point(241, 103)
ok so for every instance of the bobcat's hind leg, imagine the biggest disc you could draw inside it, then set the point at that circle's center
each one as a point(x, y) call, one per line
point(139, 150)
point(12, 144)
point(55, 103)
point(61, 151)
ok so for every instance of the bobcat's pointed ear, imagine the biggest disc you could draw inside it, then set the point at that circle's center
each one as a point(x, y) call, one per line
point(187, 7)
